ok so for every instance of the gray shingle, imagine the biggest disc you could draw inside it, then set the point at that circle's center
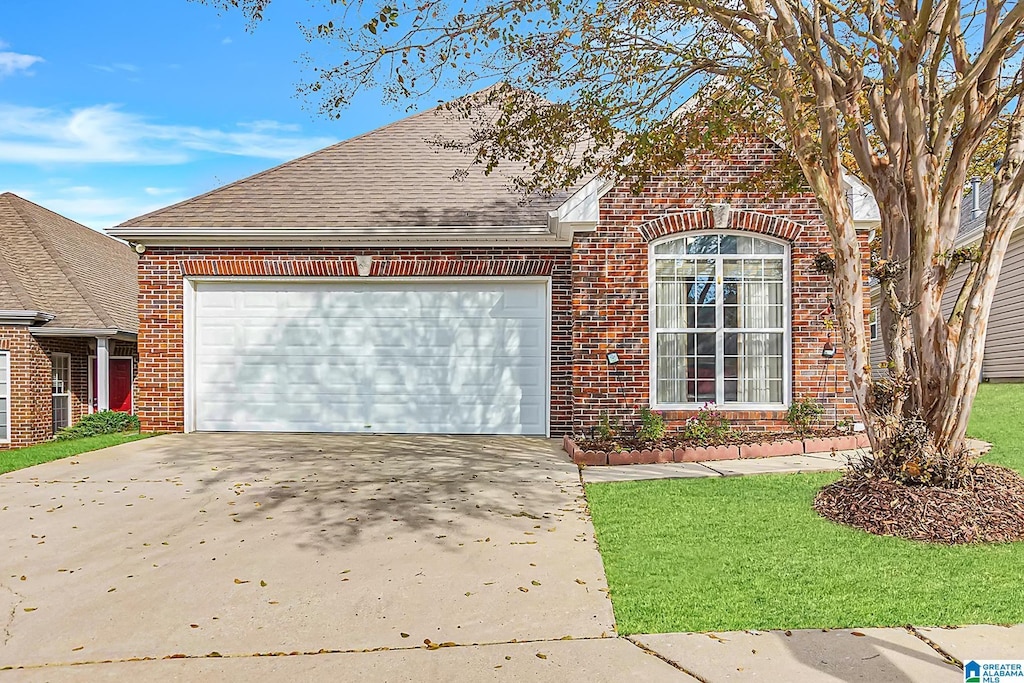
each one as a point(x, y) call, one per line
point(52, 264)
point(396, 176)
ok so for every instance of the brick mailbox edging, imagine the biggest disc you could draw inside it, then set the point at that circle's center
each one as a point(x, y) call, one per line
point(707, 453)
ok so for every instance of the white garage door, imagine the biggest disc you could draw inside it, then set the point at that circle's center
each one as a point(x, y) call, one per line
point(448, 357)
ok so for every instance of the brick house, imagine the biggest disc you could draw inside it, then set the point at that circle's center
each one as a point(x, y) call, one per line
point(374, 287)
point(67, 297)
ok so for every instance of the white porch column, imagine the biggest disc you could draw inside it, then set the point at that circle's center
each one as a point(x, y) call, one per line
point(102, 374)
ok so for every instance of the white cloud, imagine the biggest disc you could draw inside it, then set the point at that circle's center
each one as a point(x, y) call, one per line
point(226, 41)
point(112, 68)
point(106, 134)
point(90, 206)
point(160, 191)
point(14, 62)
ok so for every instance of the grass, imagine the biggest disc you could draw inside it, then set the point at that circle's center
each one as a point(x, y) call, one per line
point(21, 458)
point(750, 553)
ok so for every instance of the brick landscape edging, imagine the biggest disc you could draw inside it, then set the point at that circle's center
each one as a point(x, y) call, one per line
point(706, 453)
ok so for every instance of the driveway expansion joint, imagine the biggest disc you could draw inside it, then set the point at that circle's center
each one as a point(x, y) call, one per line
point(674, 664)
point(933, 645)
point(323, 651)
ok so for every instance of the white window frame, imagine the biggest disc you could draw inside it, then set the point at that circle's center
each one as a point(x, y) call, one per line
point(54, 357)
point(787, 337)
point(6, 437)
point(873, 323)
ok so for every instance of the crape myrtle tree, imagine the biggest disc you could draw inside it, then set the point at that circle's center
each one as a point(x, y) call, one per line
point(911, 95)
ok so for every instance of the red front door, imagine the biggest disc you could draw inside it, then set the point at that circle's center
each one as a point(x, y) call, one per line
point(120, 385)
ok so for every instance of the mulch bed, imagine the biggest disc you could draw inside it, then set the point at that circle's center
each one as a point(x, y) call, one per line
point(991, 510)
point(737, 438)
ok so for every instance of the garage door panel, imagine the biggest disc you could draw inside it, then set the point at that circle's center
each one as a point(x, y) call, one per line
point(468, 357)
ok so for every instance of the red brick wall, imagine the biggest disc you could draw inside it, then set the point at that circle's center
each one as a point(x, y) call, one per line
point(610, 288)
point(79, 350)
point(160, 382)
point(31, 401)
point(30, 406)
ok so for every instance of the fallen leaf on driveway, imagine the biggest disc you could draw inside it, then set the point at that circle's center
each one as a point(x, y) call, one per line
point(523, 589)
point(31, 609)
point(581, 582)
point(263, 584)
point(541, 655)
point(857, 633)
point(404, 635)
point(239, 581)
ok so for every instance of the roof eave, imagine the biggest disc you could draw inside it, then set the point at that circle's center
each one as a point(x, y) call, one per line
point(412, 236)
point(25, 318)
point(108, 333)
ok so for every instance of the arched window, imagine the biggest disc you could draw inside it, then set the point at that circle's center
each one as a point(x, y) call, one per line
point(720, 321)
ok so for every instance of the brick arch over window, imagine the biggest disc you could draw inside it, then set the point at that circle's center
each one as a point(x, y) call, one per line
point(751, 221)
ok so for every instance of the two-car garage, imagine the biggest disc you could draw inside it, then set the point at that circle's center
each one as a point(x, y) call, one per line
point(463, 356)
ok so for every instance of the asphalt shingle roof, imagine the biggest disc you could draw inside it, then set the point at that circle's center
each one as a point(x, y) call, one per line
point(52, 264)
point(968, 222)
point(400, 175)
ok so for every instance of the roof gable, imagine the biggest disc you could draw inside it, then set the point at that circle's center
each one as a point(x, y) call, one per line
point(400, 175)
point(50, 263)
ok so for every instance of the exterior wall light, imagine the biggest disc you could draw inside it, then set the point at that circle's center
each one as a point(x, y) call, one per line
point(829, 351)
point(612, 358)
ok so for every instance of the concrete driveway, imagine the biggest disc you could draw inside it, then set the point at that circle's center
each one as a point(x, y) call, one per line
point(358, 555)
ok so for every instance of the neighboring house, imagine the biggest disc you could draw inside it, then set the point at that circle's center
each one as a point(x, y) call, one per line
point(68, 295)
point(363, 288)
point(1003, 360)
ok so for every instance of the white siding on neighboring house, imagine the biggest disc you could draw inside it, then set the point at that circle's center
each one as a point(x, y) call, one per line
point(1004, 347)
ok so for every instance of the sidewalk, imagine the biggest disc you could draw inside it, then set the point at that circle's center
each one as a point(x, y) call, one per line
point(879, 655)
point(892, 655)
point(786, 464)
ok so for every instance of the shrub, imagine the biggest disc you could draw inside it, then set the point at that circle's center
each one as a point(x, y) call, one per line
point(802, 415)
point(652, 426)
point(605, 430)
point(105, 422)
point(707, 426)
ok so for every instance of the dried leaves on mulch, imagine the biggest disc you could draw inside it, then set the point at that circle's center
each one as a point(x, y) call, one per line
point(990, 510)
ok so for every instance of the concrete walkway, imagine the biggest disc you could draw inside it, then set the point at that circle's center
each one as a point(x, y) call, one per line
point(295, 557)
point(786, 464)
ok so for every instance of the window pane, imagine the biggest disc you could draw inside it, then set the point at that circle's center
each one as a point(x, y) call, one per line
point(61, 412)
point(702, 244)
point(767, 247)
point(4, 397)
point(676, 246)
point(748, 367)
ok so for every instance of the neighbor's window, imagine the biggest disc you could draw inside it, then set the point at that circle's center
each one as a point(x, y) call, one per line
point(5, 396)
point(873, 323)
point(61, 384)
point(720, 318)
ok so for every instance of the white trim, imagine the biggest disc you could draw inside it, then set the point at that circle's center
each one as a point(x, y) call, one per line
point(11, 317)
point(102, 374)
point(84, 332)
point(544, 234)
point(188, 348)
point(787, 337)
point(92, 362)
point(189, 308)
point(66, 394)
point(6, 438)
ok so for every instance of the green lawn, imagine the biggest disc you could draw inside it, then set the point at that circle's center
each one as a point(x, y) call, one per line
point(750, 553)
point(45, 452)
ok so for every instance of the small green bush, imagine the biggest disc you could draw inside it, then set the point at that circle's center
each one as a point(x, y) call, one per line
point(652, 426)
point(708, 426)
point(105, 422)
point(802, 415)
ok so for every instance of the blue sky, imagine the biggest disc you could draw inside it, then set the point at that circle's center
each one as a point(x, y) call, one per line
point(110, 109)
